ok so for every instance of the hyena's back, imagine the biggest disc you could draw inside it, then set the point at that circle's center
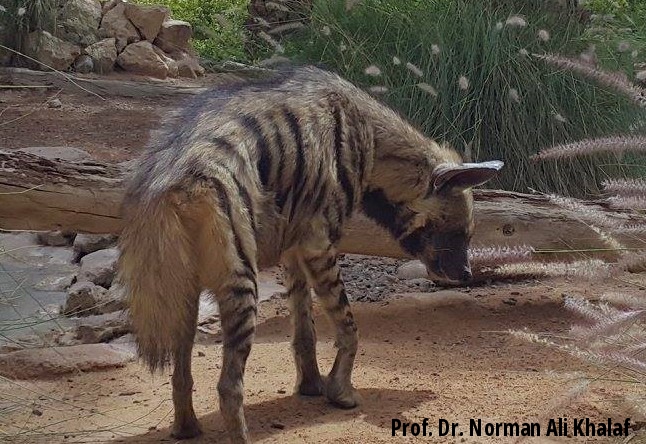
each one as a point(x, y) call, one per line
point(238, 182)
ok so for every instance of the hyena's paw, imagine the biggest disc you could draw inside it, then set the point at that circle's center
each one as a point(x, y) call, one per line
point(341, 394)
point(186, 430)
point(310, 387)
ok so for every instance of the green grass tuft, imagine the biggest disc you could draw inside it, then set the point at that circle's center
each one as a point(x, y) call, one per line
point(514, 105)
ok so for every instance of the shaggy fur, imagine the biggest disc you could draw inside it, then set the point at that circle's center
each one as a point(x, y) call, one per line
point(259, 174)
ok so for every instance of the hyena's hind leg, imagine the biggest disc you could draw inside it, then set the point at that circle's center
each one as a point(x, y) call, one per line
point(308, 379)
point(185, 424)
point(325, 274)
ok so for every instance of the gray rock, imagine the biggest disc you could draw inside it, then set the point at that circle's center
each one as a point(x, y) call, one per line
point(174, 36)
point(147, 19)
point(83, 299)
point(99, 267)
point(55, 103)
point(412, 270)
point(51, 362)
point(55, 283)
point(89, 243)
point(84, 64)
point(56, 238)
point(78, 21)
point(103, 54)
point(92, 334)
point(141, 58)
point(51, 50)
point(116, 24)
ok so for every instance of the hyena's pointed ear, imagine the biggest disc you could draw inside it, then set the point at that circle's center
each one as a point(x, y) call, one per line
point(467, 175)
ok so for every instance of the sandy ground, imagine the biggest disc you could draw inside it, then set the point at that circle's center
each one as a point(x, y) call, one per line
point(443, 355)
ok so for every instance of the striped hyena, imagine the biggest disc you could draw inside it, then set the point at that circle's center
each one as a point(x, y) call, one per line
point(268, 173)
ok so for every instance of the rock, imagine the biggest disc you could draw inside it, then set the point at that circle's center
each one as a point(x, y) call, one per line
point(55, 361)
point(56, 283)
point(141, 58)
point(173, 70)
point(147, 19)
point(116, 24)
point(51, 50)
point(83, 299)
point(125, 339)
point(89, 243)
point(86, 299)
point(56, 238)
point(103, 54)
point(78, 21)
point(412, 270)
point(99, 267)
point(67, 153)
point(174, 36)
point(188, 65)
point(84, 64)
point(55, 104)
point(93, 334)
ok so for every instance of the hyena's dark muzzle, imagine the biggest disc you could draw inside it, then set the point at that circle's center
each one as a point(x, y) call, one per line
point(447, 258)
point(445, 255)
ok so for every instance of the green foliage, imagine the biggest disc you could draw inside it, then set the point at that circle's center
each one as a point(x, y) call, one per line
point(20, 17)
point(486, 120)
point(217, 24)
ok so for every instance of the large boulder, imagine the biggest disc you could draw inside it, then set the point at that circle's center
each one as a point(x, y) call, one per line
point(99, 267)
point(173, 69)
point(55, 361)
point(141, 58)
point(187, 65)
point(89, 243)
point(116, 24)
point(147, 19)
point(51, 50)
point(174, 36)
point(103, 54)
point(78, 21)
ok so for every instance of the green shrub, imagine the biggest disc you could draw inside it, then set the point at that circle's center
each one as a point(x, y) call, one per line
point(217, 25)
point(20, 17)
point(514, 104)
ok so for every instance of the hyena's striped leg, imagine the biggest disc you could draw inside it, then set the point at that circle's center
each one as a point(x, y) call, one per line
point(328, 285)
point(185, 424)
point(308, 379)
point(238, 318)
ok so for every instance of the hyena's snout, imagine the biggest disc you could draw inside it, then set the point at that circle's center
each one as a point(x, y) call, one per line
point(447, 259)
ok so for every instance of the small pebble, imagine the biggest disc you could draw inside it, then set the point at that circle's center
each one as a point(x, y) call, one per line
point(54, 103)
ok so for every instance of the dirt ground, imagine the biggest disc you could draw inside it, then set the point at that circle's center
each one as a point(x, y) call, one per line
point(442, 355)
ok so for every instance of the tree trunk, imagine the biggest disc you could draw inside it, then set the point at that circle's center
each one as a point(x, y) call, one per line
point(37, 193)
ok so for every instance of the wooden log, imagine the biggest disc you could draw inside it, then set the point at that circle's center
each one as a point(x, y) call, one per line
point(37, 193)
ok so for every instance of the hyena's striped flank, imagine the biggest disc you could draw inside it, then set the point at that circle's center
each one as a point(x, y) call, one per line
point(256, 175)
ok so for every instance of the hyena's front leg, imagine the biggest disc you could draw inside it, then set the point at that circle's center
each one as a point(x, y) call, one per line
point(308, 379)
point(328, 285)
point(238, 318)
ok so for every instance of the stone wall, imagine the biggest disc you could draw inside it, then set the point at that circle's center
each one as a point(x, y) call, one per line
point(99, 36)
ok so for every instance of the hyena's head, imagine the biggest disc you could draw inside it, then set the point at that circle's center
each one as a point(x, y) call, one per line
point(436, 224)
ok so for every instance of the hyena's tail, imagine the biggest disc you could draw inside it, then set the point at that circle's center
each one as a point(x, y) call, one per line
point(158, 268)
